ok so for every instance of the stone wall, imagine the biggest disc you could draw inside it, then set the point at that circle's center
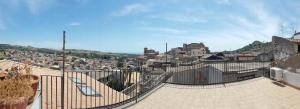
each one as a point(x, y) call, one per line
point(283, 48)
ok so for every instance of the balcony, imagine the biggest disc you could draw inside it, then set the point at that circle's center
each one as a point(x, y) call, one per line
point(187, 85)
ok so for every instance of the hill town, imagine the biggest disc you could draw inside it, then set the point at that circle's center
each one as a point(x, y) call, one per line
point(193, 52)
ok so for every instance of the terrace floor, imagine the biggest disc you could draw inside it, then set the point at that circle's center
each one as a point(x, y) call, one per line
point(259, 93)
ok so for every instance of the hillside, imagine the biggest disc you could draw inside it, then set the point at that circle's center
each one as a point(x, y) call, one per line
point(73, 52)
point(255, 46)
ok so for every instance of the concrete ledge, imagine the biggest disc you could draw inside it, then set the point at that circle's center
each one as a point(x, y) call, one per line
point(289, 78)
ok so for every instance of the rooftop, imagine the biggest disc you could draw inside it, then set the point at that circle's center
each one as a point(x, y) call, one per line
point(260, 93)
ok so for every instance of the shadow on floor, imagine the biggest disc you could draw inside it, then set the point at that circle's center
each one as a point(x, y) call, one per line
point(279, 84)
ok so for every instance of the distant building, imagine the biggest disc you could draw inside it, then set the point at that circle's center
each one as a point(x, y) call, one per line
point(177, 52)
point(212, 57)
point(246, 57)
point(141, 60)
point(150, 53)
point(196, 50)
point(189, 47)
point(296, 40)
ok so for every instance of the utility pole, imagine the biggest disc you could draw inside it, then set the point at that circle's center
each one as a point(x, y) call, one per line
point(63, 75)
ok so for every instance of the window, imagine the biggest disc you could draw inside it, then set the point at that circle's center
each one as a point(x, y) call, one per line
point(88, 91)
point(76, 80)
point(298, 48)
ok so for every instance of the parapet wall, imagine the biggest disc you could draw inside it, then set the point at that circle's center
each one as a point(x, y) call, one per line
point(290, 78)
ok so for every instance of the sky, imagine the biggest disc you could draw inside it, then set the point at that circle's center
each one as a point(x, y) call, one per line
point(127, 26)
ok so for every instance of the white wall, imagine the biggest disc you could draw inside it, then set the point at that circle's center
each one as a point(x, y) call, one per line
point(288, 77)
point(291, 78)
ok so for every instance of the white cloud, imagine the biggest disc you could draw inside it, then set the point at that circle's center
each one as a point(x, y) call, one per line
point(170, 31)
point(132, 9)
point(180, 18)
point(269, 24)
point(242, 30)
point(237, 30)
point(75, 24)
point(184, 15)
point(35, 6)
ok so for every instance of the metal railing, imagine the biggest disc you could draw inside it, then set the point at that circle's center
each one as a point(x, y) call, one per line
point(95, 89)
point(113, 88)
point(217, 72)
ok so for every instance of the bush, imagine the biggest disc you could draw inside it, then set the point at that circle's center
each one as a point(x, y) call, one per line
point(14, 91)
point(114, 84)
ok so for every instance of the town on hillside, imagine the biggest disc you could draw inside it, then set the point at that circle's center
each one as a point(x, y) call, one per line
point(280, 48)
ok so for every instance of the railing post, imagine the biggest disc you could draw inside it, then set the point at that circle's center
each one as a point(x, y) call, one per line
point(136, 87)
point(225, 66)
point(194, 72)
point(41, 92)
point(63, 73)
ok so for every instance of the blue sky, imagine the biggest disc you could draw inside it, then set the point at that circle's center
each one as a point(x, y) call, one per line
point(131, 25)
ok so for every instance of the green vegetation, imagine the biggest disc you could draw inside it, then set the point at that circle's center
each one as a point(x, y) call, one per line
point(2, 55)
point(254, 46)
point(118, 86)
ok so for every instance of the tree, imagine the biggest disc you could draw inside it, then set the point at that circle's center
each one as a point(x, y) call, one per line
point(129, 77)
point(120, 63)
point(116, 85)
point(207, 50)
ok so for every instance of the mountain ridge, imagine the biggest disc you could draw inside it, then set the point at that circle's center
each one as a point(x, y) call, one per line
point(76, 52)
